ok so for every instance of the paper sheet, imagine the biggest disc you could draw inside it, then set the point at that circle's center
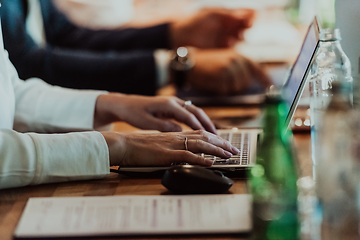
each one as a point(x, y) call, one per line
point(129, 215)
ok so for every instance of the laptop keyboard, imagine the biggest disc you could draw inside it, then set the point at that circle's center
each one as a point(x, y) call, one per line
point(241, 141)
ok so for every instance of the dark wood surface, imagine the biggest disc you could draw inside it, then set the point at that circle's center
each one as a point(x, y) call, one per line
point(12, 201)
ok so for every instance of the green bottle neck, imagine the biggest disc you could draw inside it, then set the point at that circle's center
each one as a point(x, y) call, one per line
point(274, 120)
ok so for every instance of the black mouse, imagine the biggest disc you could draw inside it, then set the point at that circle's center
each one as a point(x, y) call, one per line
point(195, 180)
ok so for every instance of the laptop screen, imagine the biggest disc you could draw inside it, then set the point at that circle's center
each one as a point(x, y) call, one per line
point(295, 84)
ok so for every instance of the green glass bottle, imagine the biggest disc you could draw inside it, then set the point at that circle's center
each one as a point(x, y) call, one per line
point(273, 179)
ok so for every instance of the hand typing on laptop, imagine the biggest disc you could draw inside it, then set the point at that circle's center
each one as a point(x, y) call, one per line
point(150, 113)
point(158, 148)
point(155, 149)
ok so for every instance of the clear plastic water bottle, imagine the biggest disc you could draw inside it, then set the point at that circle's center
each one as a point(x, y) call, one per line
point(330, 65)
point(337, 167)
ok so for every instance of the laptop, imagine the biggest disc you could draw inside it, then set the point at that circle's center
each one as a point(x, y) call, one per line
point(247, 139)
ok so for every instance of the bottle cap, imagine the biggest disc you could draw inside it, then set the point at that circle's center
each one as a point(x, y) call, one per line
point(273, 94)
point(330, 34)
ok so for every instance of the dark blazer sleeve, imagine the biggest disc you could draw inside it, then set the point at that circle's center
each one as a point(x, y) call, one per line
point(102, 64)
point(61, 32)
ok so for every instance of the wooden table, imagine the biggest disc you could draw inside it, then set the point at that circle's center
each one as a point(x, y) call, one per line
point(12, 201)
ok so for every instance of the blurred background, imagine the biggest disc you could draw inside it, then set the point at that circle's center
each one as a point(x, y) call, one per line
point(275, 37)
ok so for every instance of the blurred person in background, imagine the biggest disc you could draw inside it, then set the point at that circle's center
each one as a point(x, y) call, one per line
point(53, 134)
point(43, 43)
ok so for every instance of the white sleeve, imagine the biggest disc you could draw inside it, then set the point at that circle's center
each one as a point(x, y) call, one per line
point(30, 158)
point(162, 61)
point(41, 107)
point(43, 158)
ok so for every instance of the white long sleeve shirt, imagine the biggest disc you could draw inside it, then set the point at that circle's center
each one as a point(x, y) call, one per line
point(33, 106)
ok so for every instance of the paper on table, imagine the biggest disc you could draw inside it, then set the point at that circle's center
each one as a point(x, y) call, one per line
point(129, 215)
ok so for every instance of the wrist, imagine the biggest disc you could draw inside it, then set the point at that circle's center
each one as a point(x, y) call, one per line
point(116, 145)
point(105, 106)
point(162, 62)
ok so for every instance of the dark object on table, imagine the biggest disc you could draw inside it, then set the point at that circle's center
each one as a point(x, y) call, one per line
point(195, 180)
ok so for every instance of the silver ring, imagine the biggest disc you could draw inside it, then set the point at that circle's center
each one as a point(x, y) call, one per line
point(187, 103)
point(186, 142)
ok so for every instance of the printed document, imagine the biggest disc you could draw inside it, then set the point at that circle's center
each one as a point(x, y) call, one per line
point(135, 215)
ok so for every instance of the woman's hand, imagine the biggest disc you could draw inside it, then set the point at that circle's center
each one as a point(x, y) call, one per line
point(145, 149)
point(153, 113)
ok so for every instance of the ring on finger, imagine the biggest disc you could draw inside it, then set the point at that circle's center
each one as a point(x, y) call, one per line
point(186, 144)
point(187, 103)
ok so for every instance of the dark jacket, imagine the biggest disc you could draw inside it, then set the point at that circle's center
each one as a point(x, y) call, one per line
point(75, 57)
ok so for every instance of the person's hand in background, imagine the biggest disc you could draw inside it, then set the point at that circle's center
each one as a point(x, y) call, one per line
point(224, 71)
point(150, 113)
point(211, 28)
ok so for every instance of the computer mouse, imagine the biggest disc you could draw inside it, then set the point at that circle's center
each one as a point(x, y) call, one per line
point(195, 180)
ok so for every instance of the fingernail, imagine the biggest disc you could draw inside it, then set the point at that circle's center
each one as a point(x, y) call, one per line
point(227, 154)
point(208, 162)
point(235, 150)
